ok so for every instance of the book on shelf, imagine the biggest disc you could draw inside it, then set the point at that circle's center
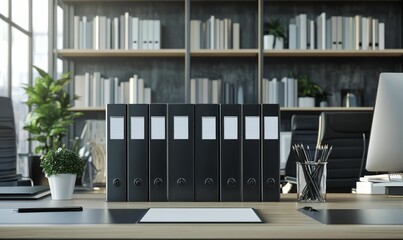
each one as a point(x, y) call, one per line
point(216, 34)
point(283, 92)
point(120, 32)
point(336, 32)
point(213, 91)
point(96, 90)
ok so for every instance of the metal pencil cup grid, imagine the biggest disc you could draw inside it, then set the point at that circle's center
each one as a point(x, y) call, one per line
point(311, 172)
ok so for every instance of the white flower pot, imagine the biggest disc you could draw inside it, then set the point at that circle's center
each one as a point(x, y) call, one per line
point(279, 43)
point(62, 186)
point(306, 102)
point(268, 42)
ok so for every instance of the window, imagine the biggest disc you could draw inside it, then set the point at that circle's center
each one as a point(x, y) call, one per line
point(24, 42)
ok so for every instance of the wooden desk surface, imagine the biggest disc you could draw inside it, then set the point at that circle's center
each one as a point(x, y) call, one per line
point(282, 221)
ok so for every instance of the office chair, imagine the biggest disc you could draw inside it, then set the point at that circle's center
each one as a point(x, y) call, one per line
point(8, 147)
point(348, 133)
point(304, 129)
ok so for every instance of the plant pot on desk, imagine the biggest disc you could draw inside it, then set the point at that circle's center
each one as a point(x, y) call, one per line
point(62, 186)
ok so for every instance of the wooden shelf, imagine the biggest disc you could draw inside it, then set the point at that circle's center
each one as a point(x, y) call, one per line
point(334, 53)
point(73, 53)
point(225, 53)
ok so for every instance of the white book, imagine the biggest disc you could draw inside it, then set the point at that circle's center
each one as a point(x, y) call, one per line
point(346, 30)
point(231, 35)
point(79, 90)
point(312, 34)
point(126, 91)
point(84, 33)
point(193, 91)
point(150, 32)
point(135, 33)
point(205, 90)
point(222, 38)
point(141, 34)
point(212, 32)
point(96, 33)
point(116, 90)
point(102, 32)
point(364, 33)
point(217, 33)
point(140, 90)
point(339, 34)
point(199, 90)
point(115, 33)
point(303, 31)
point(144, 34)
point(236, 37)
point(352, 36)
point(216, 91)
point(76, 32)
point(329, 34)
point(226, 34)
point(273, 91)
point(292, 35)
point(322, 31)
point(375, 34)
point(240, 98)
point(280, 93)
point(133, 92)
point(102, 93)
point(108, 91)
point(157, 34)
point(80, 35)
point(381, 36)
point(127, 30)
point(88, 90)
point(96, 89)
point(108, 33)
point(195, 34)
point(122, 31)
point(369, 32)
point(147, 95)
point(358, 33)
point(89, 35)
point(334, 32)
point(291, 92)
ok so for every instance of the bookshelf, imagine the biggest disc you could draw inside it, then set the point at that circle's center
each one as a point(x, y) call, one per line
point(168, 70)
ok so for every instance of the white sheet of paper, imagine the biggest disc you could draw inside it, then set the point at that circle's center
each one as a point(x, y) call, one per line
point(137, 128)
point(270, 128)
point(252, 128)
point(230, 128)
point(181, 127)
point(199, 215)
point(157, 128)
point(117, 129)
point(208, 128)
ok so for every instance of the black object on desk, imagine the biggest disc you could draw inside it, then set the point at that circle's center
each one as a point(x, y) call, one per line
point(50, 209)
point(20, 192)
point(385, 216)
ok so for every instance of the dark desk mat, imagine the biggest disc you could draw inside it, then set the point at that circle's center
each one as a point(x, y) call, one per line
point(356, 216)
point(87, 216)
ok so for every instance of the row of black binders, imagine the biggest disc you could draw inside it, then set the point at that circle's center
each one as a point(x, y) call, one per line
point(193, 152)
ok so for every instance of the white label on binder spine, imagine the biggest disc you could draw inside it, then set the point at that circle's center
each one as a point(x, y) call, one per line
point(230, 128)
point(208, 128)
point(252, 128)
point(137, 128)
point(181, 127)
point(270, 128)
point(117, 128)
point(158, 128)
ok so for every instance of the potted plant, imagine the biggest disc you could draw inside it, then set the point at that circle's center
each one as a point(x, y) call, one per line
point(307, 91)
point(274, 35)
point(61, 167)
point(50, 115)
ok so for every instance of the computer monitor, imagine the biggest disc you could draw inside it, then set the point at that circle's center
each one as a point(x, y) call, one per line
point(385, 151)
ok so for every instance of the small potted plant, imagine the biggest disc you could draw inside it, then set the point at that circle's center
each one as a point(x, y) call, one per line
point(61, 167)
point(274, 35)
point(49, 116)
point(307, 91)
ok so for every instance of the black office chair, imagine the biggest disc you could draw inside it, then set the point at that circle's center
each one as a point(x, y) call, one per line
point(304, 129)
point(348, 133)
point(8, 145)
